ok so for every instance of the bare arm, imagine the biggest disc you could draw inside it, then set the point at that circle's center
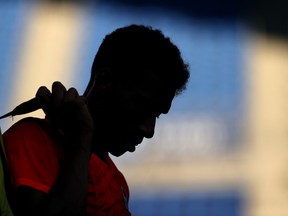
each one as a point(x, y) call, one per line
point(67, 111)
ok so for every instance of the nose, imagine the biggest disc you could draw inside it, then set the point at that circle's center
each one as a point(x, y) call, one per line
point(147, 127)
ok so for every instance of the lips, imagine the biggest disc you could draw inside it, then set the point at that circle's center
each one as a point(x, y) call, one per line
point(138, 141)
point(133, 143)
point(132, 148)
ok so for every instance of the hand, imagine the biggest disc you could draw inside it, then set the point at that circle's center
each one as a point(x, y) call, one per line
point(66, 110)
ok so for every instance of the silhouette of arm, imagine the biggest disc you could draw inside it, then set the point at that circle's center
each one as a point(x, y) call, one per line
point(68, 112)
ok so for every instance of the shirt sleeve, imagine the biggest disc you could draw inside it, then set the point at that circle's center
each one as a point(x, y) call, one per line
point(31, 155)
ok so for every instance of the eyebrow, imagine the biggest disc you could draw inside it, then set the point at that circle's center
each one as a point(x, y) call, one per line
point(157, 108)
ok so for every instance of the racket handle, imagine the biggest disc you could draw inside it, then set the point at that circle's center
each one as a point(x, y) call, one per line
point(26, 107)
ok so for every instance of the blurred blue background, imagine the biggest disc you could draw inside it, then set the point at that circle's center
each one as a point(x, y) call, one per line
point(195, 152)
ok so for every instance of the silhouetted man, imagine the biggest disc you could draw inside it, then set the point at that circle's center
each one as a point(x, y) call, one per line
point(60, 165)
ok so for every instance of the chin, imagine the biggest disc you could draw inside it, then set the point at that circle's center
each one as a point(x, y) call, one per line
point(117, 153)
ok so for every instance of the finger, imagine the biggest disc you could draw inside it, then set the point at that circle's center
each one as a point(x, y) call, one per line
point(72, 98)
point(57, 95)
point(71, 94)
point(43, 95)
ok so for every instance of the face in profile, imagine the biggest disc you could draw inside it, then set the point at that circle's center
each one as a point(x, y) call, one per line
point(131, 114)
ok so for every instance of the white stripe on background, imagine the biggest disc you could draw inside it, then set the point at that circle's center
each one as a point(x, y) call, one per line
point(48, 51)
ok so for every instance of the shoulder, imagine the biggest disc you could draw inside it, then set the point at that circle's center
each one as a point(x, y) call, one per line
point(30, 134)
point(26, 124)
point(29, 127)
point(33, 153)
point(24, 128)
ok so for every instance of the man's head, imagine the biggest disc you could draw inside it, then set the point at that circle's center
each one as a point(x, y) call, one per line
point(135, 75)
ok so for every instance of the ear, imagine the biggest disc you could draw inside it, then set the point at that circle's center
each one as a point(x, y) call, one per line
point(101, 82)
point(103, 78)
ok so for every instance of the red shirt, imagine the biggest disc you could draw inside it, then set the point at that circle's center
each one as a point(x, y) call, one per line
point(34, 149)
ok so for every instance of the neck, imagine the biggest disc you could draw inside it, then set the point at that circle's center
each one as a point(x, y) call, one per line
point(99, 151)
